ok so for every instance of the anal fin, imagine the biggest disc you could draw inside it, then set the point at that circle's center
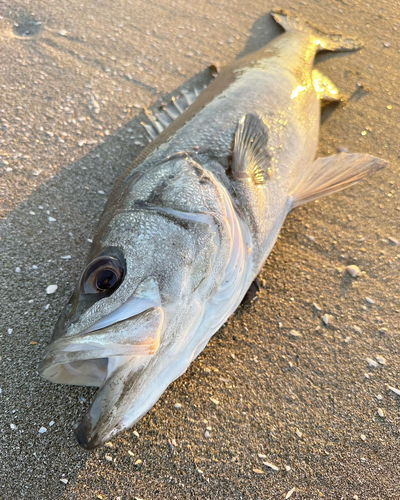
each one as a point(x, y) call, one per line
point(333, 173)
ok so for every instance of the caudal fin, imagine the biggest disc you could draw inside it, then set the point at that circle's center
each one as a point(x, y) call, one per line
point(324, 41)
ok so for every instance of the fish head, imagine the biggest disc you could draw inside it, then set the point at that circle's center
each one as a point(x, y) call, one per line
point(133, 308)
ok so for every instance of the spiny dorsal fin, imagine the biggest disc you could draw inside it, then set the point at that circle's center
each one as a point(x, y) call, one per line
point(250, 152)
point(159, 120)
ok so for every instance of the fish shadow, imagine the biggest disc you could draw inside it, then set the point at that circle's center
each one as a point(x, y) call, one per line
point(262, 32)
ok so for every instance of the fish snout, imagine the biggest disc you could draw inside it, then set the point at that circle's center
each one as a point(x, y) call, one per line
point(82, 433)
point(85, 437)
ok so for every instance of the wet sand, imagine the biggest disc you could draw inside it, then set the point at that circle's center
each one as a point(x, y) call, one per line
point(74, 77)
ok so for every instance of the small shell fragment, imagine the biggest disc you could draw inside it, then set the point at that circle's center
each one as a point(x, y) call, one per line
point(393, 389)
point(381, 413)
point(327, 319)
point(64, 480)
point(353, 270)
point(258, 471)
point(290, 493)
point(372, 362)
point(381, 360)
point(394, 240)
point(271, 466)
point(215, 401)
point(51, 289)
point(295, 333)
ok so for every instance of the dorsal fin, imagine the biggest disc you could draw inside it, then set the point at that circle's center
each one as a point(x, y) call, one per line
point(157, 121)
point(251, 157)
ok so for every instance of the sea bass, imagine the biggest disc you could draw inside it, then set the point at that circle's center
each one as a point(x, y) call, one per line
point(187, 230)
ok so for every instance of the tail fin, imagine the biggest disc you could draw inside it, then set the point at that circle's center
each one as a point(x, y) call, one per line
point(324, 41)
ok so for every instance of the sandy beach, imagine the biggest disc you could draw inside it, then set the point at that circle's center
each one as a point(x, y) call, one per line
point(298, 395)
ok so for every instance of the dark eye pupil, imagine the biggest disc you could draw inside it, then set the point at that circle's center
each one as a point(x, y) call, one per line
point(106, 279)
point(102, 276)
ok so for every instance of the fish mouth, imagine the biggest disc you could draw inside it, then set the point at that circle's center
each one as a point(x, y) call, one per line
point(87, 359)
point(111, 358)
point(113, 370)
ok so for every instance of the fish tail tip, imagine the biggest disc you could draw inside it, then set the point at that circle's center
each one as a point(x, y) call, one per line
point(325, 41)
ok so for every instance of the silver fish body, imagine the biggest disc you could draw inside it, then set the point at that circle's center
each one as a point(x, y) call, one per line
point(187, 230)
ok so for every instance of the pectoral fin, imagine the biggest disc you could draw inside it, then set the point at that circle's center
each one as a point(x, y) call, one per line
point(251, 158)
point(333, 173)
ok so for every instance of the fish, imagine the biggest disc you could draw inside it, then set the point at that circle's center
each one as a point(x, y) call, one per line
point(187, 229)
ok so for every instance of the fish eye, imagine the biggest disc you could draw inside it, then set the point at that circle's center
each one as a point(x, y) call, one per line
point(102, 276)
